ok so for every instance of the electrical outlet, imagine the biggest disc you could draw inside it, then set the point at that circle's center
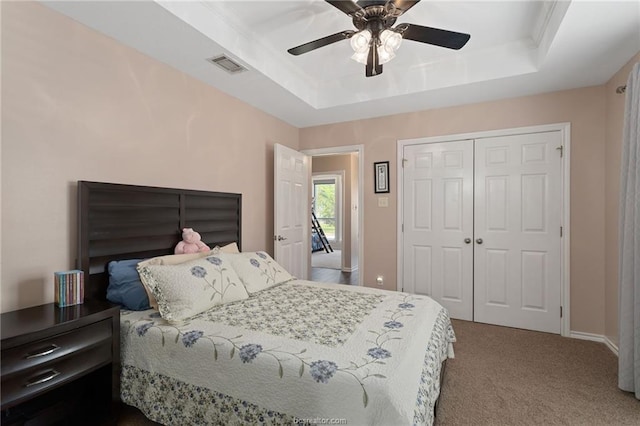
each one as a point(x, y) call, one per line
point(380, 280)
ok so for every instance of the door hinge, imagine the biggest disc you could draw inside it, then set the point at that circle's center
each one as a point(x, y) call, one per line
point(561, 149)
point(560, 311)
point(403, 227)
point(561, 231)
point(404, 162)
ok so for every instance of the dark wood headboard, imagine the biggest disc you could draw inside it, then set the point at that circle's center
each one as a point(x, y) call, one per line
point(118, 222)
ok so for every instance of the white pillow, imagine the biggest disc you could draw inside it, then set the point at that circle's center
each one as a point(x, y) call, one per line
point(258, 271)
point(175, 259)
point(229, 248)
point(169, 259)
point(189, 288)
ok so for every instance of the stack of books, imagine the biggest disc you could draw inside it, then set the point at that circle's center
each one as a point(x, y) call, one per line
point(69, 287)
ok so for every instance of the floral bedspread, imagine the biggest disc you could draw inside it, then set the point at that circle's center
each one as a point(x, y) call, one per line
point(301, 351)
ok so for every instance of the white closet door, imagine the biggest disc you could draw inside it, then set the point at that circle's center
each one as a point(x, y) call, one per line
point(518, 203)
point(438, 217)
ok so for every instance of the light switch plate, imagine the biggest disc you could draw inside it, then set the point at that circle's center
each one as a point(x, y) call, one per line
point(383, 201)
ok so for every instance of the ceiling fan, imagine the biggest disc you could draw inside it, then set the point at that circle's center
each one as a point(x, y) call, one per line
point(375, 40)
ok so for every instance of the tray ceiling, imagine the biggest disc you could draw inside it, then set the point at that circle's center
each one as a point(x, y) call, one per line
point(516, 48)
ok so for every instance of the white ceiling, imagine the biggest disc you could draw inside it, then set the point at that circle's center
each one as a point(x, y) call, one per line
point(516, 48)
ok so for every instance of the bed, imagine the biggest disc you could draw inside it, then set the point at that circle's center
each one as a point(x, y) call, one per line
point(293, 352)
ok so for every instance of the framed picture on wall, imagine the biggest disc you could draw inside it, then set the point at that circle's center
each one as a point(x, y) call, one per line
point(381, 176)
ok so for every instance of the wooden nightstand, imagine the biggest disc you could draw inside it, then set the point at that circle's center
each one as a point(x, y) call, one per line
point(60, 365)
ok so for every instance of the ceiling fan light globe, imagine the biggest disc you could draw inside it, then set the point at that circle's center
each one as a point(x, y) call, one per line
point(361, 56)
point(360, 40)
point(390, 40)
point(385, 55)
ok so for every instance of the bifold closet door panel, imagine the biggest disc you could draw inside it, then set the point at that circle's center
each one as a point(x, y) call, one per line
point(438, 224)
point(517, 219)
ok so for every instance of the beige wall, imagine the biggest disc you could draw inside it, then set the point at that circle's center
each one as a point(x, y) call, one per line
point(77, 105)
point(613, 148)
point(583, 108)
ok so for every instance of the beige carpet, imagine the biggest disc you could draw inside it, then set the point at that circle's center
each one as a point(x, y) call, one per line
point(322, 259)
point(506, 376)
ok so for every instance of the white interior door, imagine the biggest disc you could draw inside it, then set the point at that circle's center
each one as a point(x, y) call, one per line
point(518, 201)
point(438, 224)
point(291, 210)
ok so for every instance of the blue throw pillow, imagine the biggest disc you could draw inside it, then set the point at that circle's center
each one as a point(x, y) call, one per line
point(125, 287)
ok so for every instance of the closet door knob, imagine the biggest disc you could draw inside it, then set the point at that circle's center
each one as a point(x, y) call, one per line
point(467, 240)
point(479, 241)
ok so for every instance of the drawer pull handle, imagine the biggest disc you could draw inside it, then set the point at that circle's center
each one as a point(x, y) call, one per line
point(49, 375)
point(46, 351)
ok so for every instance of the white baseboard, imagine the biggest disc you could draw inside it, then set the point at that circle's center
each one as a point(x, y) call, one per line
point(611, 345)
point(595, 338)
point(587, 336)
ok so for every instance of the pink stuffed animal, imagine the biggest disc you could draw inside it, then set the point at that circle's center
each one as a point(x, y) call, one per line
point(190, 243)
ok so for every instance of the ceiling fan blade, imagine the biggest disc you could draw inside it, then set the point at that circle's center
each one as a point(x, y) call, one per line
point(321, 42)
point(435, 36)
point(374, 67)
point(401, 6)
point(346, 6)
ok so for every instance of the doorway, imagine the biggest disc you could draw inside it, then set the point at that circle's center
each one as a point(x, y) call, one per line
point(484, 225)
point(326, 204)
point(337, 176)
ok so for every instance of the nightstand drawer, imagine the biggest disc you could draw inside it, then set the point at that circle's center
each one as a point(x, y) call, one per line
point(43, 351)
point(33, 381)
point(60, 365)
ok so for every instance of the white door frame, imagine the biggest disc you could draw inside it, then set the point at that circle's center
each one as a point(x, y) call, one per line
point(565, 131)
point(348, 149)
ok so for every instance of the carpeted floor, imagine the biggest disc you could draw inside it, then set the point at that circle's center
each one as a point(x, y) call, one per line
point(322, 259)
point(507, 376)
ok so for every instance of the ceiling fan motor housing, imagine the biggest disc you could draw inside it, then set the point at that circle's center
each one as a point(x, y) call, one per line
point(375, 41)
point(374, 18)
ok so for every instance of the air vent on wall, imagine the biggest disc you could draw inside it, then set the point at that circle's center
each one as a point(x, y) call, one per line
point(227, 64)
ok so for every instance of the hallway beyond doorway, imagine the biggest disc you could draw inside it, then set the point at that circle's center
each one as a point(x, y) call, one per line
point(322, 259)
point(326, 275)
